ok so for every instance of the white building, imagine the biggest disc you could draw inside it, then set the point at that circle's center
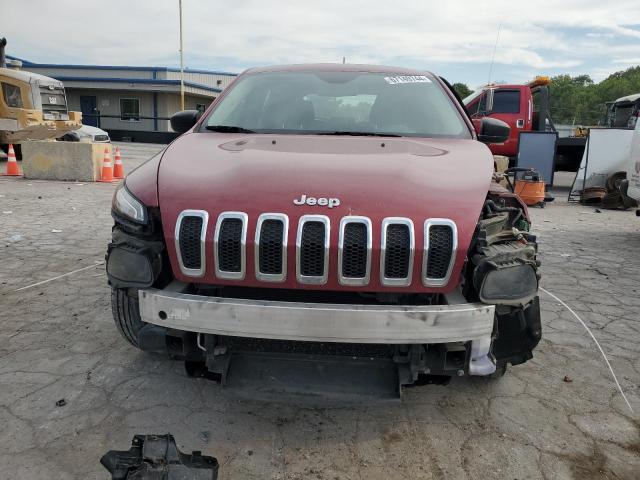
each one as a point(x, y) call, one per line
point(133, 102)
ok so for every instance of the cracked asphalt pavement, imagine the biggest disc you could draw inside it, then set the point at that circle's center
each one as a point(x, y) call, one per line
point(71, 388)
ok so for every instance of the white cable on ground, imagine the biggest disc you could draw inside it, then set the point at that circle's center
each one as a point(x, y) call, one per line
point(59, 276)
point(597, 343)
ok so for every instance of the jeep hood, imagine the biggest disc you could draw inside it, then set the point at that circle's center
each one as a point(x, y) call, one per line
point(376, 177)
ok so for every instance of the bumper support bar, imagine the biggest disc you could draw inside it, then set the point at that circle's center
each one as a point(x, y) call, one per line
point(319, 322)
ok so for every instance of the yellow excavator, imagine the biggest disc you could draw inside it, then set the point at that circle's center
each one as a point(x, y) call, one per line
point(32, 106)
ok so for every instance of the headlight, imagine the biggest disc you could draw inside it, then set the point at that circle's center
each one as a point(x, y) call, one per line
point(128, 206)
point(509, 285)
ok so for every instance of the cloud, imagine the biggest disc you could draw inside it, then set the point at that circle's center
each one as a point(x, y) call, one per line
point(453, 36)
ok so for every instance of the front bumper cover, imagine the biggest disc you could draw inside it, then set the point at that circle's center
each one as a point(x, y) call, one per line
point(319, 322)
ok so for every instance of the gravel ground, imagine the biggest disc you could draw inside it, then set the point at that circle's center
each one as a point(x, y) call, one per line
point(557, 417)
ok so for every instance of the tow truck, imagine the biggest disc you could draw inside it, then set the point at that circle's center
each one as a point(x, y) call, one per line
point(525, 108)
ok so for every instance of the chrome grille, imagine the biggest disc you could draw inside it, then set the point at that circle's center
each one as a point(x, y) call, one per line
point(355, 247)
point(312, 249)
point(271, 247)
point(230, 245)
point(396, 259)
point(441, 243)
point(190, 233)
point(354, 251)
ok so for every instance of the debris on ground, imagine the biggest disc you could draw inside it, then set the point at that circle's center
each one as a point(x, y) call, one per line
point(567, 379)
point(55, 230)
point(61, 403)
point(157, 456)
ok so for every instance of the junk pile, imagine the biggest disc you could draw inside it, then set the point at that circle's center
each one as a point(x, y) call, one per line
point(613, 195)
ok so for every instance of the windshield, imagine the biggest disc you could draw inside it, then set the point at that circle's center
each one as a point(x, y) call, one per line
point(338, 103)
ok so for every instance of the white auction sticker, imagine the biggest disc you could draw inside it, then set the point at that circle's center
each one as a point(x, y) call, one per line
point(407, 79)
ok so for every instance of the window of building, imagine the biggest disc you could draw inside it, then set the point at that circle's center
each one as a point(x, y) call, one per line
point(218, 82)
point(11, 95)
point(201, 107)
point(130, 109)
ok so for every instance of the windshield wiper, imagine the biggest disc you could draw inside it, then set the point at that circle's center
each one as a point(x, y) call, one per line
point(359, 134)
point(228, 129)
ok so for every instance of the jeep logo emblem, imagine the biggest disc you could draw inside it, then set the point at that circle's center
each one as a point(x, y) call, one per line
point(322, 201)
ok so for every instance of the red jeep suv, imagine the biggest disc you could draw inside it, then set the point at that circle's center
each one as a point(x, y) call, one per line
point(341, 218)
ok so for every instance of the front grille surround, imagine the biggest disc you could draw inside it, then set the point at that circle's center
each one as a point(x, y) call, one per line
point(272, 277)
point(226, 274)
point(403, 281)
point(318, 252)
point(342, 278)
point(440, 281)
point(192, 272)
point(313, 279)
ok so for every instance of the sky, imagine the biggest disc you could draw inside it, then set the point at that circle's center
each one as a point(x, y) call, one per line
point(451, 38)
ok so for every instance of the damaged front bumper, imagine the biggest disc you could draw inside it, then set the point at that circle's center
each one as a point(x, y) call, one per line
point(466, 323)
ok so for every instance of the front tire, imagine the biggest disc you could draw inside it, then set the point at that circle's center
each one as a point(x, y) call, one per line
point(126, 315)
point(501, 369)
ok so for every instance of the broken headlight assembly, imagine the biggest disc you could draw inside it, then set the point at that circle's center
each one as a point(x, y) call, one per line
point(506, 273)
point(128, 206)
point(508, 284)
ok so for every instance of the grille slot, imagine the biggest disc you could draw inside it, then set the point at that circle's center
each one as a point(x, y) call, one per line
point(312, 253)
point(271, 247)
point(229, 245)
point(396, 261)
point(190, 230)
point(191, 227)
point(312, 250)
point(439, 251)
point(354, 255)
point(230, 240)
point(270, 250)
point(354, 251)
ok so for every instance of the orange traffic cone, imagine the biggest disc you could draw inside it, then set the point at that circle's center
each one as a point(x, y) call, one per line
point(13, 170)
point(107, 168)
point(118, 169)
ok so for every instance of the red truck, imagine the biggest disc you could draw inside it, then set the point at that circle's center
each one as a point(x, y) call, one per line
point(339, 218)
point(524, 108)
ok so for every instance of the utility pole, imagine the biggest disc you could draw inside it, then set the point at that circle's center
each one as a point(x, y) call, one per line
point(181, 60)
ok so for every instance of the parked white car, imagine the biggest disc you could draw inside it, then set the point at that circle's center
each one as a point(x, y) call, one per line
point(86, 133)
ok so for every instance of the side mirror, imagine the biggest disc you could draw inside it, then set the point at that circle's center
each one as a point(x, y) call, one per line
point(493, 130)
point(184, 120)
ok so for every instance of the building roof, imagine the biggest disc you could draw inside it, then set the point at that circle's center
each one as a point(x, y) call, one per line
point(202, 82)
point(147, 81)
point(27, 63)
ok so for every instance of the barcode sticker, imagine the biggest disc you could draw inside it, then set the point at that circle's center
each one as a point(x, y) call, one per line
point(407, 79)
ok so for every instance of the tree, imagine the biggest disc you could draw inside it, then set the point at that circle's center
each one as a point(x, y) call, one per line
point(462, 89)
point(579, 101)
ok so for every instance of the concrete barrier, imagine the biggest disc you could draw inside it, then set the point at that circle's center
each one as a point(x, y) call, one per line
point(77, 161)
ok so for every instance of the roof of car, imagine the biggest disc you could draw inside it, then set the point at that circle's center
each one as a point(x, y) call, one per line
point(339, 67)
point(629, 98)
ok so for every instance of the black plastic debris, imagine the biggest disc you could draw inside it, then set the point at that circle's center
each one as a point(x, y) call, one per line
point(156, 457)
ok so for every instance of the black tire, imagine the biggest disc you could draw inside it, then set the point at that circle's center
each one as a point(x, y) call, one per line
point(501, 369)
point(126, 315)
